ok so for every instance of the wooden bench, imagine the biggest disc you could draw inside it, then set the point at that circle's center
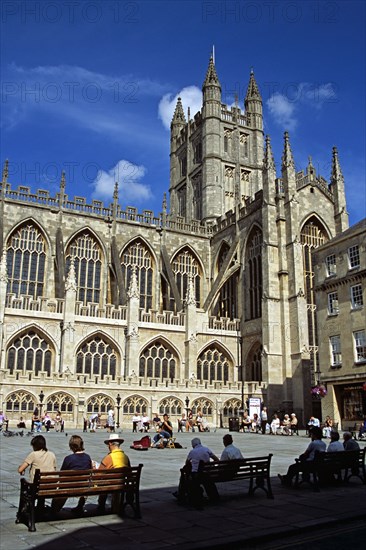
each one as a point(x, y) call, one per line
point(342, 464)
point(122, 483)
point(255, 469)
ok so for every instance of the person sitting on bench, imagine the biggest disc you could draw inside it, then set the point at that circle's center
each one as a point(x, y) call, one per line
point(307, 457)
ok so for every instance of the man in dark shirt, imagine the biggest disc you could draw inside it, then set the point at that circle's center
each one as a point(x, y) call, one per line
point(165, 430)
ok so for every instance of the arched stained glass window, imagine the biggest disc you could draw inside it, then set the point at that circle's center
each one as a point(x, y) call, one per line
point(97, 357)
point(227, 301)
point(26, 261)
point(30, 353)
point(254, 275)
point(158, 361)
point(213, 366)
point(254, 364)
point(171, 405)
point(204, 405)
point(99, 403)
point(184, 266)
point(60, 402)
point(135, 404)
point(312, 235)
point(139, 256)
point(87, 255)
point(21, 402)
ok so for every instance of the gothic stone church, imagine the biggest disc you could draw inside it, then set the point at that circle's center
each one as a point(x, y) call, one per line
point(204, 306)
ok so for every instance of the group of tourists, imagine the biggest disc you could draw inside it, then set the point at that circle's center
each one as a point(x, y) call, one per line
point(45, 461)
point(261, 423)
point(317, 445)
point(45, 421)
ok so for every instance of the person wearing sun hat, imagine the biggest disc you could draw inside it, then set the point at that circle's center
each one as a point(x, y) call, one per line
point(116, 458)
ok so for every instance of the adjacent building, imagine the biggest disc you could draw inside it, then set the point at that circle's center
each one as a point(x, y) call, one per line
point(340, 287)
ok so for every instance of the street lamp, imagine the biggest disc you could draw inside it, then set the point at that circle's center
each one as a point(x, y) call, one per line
point(41, 397)
point(187, 405)
point(118, 399)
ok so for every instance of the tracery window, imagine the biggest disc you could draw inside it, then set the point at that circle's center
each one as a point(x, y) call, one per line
point(254, 274)
point(26, 260)
point(229, 187)
point(171, 405)
point(158, 361)
point(87, 256)
point(99, 403)
point(30, 353)
point(254, 364)
point(60, 402)
point(312, 235)
point(204, 405)
point(96, 357)
point(213, 365)
point(231, 408)
point(139, 256)
point(185, 265)
point(226, 305)
point(21, 402)
point(135, 405)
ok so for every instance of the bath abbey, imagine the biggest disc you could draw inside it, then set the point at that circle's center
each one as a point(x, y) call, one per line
point(204, 306)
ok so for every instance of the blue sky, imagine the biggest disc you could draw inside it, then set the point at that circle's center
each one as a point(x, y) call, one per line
point(89, 87)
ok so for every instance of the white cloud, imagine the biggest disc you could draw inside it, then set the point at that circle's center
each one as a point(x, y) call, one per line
point(285, 107)
point(191, 96)
point(113, 105)
point(128, 176)
point(283, 111)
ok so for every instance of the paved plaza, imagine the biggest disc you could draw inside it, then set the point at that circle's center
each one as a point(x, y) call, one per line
point(237, 520)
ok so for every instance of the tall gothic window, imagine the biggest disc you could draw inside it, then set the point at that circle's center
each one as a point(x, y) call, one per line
point(227, 301)
point(185, 265)
point(213, 365)
point(158, 361)
point(26, 259)
point(254, 364)
point(312, 235)
point(30, 354)
point(96, 357)
point(87, 255)
point(137, 254)
point(229, 187)
point(254, 274)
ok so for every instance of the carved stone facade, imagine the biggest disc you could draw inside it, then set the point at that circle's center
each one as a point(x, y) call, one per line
point(97, 302)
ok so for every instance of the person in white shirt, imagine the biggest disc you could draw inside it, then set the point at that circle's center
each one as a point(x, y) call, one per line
point(230, 452)
point(275, 424)
point(136, 419)
point(335, 445)
point(110, 420)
